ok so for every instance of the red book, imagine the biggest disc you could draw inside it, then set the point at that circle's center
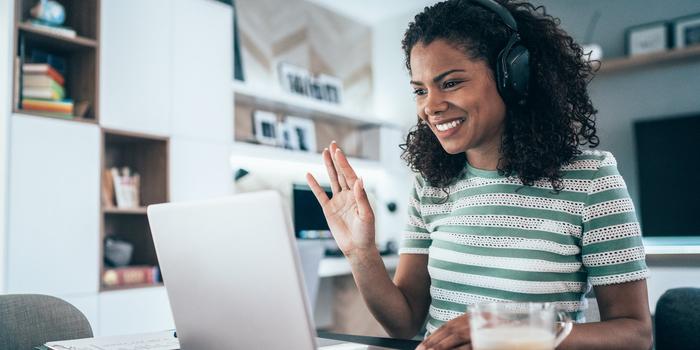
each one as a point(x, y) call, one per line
point(130, 275)
point(43, 68)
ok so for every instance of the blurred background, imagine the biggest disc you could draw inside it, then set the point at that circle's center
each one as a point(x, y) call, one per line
point(107, 106)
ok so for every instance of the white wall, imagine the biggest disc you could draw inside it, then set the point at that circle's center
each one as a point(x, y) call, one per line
point(5, 99)
point(392, 92)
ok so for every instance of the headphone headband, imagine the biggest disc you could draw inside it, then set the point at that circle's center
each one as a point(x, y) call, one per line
point(501, 11)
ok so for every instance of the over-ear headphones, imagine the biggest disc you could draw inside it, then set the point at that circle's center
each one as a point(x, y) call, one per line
point(513, 62)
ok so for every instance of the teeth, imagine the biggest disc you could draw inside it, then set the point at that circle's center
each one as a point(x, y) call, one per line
point(448, 125)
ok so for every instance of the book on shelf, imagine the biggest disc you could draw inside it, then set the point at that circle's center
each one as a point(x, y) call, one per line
point(42, 93)
point(126, 187)
point(42, 81)
point(61, 108)
point(44, 69)
point(130, 275)
point(52, 29)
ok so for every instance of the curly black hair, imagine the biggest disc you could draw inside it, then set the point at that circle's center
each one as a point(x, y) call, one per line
point(540, 137)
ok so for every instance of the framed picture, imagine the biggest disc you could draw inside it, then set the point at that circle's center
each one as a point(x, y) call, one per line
point(302, 133)
point(686, 31)
point(294, 79)
point(647, 38)
point(331, 88)
point(265, 127)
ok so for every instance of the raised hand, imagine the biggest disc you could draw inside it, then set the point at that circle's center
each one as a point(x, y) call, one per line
point(349, 215)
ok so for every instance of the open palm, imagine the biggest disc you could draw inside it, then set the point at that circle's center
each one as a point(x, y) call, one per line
point(348, 213)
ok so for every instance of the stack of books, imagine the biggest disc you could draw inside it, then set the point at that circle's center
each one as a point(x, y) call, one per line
point(43, 90)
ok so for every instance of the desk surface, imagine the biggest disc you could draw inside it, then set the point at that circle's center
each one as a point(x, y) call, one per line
point(388, 343)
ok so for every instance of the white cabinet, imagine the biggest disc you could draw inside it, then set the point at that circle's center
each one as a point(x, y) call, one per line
point(135, 311)
point(135, 65)
point(202, 59)
point(53, 236)
point(199, 170)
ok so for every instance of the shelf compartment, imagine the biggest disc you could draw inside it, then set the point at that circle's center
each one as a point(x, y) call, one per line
point(81, 16)
point(135, 230)
point(81, 52)
point(146, 155)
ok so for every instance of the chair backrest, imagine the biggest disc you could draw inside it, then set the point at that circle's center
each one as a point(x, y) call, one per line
point(29, 320)
point(677, 318)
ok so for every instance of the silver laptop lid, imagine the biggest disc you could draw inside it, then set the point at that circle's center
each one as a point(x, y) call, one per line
point(232, 273)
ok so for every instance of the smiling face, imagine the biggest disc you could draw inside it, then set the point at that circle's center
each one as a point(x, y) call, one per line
point(457, 97)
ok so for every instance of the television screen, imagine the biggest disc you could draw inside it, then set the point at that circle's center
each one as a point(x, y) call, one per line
point(309, 221)
point(669, 170)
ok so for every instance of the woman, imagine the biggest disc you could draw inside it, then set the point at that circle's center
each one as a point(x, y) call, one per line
point(505, 206)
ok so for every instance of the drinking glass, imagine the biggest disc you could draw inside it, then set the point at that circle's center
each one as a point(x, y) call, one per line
point(518, 326)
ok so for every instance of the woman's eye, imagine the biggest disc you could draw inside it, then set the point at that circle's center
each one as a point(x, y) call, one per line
point(451, 84)
point(419, 92)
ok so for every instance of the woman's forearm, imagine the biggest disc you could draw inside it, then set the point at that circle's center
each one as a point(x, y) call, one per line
point(620, 333)
point(384, 299)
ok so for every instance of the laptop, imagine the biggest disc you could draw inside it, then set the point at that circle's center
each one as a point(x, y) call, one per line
point(232, 274)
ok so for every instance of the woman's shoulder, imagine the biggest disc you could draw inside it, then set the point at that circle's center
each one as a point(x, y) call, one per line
point(591, 160)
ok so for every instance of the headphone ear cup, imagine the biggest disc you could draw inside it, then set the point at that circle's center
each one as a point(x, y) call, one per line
point(518, 65)
point(501, 78)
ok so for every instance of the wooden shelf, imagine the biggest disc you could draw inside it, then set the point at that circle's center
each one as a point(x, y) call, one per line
point(131, 286)
point(55, 41)
point(303, 106)
point(630, 63)
point(125, 211)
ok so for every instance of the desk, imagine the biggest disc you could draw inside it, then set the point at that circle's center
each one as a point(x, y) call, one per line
point(164, 339)
point(375, 341)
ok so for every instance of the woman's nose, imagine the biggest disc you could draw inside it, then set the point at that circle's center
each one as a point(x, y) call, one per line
point(434, 104)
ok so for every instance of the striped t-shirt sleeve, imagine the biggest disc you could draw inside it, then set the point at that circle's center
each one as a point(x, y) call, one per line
point(416, 238)
point(612, 249)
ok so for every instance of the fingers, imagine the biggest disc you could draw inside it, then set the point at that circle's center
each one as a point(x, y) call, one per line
point(341, 178)
point(318, 191)
point(345, 169)
point(452, 341)
point(364, 210)
point(332, 173)
point(450, 335)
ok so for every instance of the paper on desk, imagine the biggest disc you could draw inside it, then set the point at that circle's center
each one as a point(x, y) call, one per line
point(145, 341)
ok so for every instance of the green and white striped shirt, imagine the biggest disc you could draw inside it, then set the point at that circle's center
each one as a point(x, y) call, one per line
point(494, 239)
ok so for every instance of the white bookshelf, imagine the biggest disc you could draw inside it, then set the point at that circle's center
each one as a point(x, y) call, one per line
point(276, 99)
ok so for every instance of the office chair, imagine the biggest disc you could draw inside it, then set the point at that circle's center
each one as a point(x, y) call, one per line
point(677, 318)
point(29, 320)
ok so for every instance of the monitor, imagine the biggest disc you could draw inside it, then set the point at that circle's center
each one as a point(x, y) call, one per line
point(668, 168)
